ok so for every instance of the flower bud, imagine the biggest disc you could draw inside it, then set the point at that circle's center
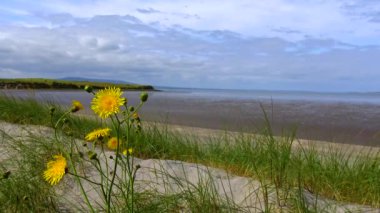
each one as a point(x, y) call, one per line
point(52, 110)
point(69, 133)
point(65, 120)
point(125, 101)
point(76, 106)
point(6, 174)
point(136, 116)
point(131, 109)
point(92, 155)
point(88, 88)
point(144, 97)
point(127, 152)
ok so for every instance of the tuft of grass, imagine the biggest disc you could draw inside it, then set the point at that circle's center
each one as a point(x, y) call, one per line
point(24, 190)
point(29, 111)
point(337, 175)
point(23, 111)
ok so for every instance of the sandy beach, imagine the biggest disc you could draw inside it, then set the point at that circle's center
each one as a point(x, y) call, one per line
point(243, 191)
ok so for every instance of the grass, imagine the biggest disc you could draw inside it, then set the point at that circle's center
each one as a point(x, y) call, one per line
point(41, 83)
point(24, 191)
point(288, 172)
point(335, 175)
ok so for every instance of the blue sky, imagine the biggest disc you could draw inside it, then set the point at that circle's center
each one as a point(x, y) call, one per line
point(318, 45)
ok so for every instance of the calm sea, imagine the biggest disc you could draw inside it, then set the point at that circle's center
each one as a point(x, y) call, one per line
point(337, 117)
point(215, 95)
point(227, 94)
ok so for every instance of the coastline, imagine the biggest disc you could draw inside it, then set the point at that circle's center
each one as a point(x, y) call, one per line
point(347, 123)
point(237, 188)
point(205, 134)
point(55, 84)
point(327, 165)
point(318, 145)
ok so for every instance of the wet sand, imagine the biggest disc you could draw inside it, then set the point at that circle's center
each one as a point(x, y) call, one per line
point(340, 122)
point(336, 122)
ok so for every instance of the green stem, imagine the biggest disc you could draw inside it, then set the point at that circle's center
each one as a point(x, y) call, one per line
point(116, 161)
point(107, 168)
point(130, 114)
point(81, 186)
point(101, 178)
point(129, 166)
point(56, 124)
point(84, 178)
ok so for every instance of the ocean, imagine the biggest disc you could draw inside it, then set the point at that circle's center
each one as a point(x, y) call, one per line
point(336, 117)
point(265, 95)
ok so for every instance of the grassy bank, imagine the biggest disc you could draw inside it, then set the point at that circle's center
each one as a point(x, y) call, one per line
point(336, 174)
point(40, 83)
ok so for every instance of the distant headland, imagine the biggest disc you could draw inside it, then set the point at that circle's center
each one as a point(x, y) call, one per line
point(67, 83)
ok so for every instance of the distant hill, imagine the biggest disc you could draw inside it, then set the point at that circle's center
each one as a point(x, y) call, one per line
point(79, 79)
point(42, 83)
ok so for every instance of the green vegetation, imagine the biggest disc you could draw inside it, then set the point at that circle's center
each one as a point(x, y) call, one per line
point(23, 190)
point(281, 168)
point(41, 83)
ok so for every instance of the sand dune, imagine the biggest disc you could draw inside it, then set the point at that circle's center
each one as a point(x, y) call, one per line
point(172, 177)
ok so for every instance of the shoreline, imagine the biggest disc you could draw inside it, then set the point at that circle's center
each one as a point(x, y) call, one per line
point(206, 133)
point(320, 146)
point(336, 122)
point(56, 84)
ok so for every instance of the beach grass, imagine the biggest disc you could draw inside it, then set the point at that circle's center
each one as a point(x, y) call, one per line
point(23, 161)
point(335, 174)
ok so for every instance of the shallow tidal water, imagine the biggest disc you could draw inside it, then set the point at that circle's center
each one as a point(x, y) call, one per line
point(337, 117)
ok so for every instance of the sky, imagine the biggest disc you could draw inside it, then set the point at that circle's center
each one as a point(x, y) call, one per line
point(310, 45)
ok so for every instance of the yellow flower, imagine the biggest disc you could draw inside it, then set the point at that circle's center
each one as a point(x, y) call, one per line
point(98, 134)
point(107, 102)
point(112, 143)
point(76, 106)
point(55, 169)
point(129, 151)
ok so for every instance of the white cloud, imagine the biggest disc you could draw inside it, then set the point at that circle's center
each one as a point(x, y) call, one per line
point(12, 73)
point(348, 21)
point(325, 19)
point(111, 47)
point(273, 44)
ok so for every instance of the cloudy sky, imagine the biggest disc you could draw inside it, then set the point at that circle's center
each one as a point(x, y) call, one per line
point(318, 45)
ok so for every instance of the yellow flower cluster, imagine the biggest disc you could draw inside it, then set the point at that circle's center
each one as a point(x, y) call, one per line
point(112, 143)
point(107, 102)
point(128, 151)
point(76, 106)
point(55, 169)
point(98, 134)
